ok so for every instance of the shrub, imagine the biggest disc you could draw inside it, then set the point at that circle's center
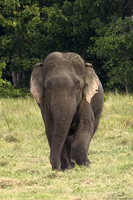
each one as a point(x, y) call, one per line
point(7, 90)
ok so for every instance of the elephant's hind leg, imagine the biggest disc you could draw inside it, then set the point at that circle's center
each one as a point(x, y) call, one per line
point(66, 163)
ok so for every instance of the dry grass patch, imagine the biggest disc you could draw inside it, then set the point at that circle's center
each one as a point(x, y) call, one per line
point(8, 182)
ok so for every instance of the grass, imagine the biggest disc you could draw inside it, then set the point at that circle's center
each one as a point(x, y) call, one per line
point(25, 170)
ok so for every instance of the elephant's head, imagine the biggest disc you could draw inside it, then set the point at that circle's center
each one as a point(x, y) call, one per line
point(60, 83)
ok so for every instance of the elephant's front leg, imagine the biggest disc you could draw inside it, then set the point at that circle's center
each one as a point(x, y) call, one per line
point(58, 155)
point(83, 135)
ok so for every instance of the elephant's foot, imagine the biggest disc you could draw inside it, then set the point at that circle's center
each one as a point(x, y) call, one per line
point(80, 159)
point(56, 164)
point(55, 167)
point(72, 164)
point(84, 162)
point(80, 154)
point(64, 167)
point(66, 164)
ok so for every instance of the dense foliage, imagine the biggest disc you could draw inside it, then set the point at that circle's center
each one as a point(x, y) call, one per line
point(100, 31)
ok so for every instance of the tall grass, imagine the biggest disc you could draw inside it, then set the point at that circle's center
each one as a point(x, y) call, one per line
point(25, 171)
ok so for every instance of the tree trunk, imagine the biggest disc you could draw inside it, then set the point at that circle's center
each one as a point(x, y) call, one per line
point(18, 77)
point(129, 8)
point(14, 78)
point(126, 82)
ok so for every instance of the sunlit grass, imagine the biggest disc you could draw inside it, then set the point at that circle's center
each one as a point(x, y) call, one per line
point(25, 170)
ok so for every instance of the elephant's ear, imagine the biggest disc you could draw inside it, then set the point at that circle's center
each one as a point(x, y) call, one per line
point(36, 82)
point(91, 82)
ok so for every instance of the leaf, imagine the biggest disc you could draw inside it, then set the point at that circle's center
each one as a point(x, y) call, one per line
point(15, 12)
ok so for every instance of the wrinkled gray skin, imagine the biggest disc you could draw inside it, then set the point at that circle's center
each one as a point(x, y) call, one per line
point(70, 97)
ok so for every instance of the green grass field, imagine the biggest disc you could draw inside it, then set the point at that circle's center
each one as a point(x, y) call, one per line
point(25, 170)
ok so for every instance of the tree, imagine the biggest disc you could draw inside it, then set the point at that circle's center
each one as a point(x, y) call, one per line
point(18, 49)
point(100, 31)
point(113, 44)
point(2, 66)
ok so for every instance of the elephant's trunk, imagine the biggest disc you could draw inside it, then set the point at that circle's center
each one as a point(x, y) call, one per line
point(63, 112)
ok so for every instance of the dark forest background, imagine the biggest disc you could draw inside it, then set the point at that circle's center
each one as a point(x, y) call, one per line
point(101, 31)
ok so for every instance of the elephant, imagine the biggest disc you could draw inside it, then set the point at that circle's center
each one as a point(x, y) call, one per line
point(70, 96)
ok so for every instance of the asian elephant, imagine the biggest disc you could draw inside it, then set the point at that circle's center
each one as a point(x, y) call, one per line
point(70, 97)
